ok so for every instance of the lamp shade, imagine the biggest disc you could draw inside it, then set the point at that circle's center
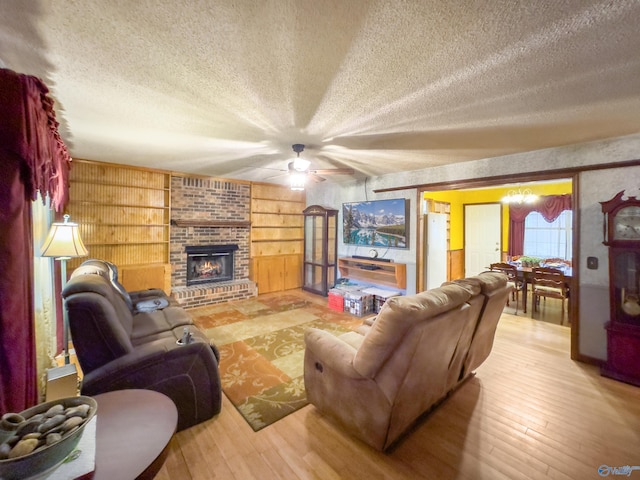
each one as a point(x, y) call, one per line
point(63, 241)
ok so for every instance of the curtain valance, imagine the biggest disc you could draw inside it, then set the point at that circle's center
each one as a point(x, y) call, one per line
point(29, 129)
point(549, 206)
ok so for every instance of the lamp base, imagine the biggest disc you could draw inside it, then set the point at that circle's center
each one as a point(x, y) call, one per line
point(62, 382)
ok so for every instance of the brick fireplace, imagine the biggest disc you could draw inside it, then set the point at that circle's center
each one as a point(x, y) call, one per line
point(209, 214)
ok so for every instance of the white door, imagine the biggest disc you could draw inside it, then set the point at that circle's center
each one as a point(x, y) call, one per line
point(436, 248)
point(482, 240)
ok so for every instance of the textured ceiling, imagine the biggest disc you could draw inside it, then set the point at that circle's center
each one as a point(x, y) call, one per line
point(224, 88)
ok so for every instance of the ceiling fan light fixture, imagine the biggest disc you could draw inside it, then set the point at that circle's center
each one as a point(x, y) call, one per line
point(297, 180)
point(300, 164)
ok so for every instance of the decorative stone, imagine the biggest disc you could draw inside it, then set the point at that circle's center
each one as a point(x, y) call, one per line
point(5, 448)
point(54, 410)
point(53, 438)
point(52, 423)
point(29, 426)
point(71, 423)
point(23, 447)
point(79, 411)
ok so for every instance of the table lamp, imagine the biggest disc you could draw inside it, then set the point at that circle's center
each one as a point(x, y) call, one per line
point(63, 242)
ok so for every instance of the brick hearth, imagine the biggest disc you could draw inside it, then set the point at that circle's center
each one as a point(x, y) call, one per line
point(200, 295)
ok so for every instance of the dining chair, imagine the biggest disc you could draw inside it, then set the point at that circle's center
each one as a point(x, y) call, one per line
point(548, 282)
point(513, 280)
point(556, 262)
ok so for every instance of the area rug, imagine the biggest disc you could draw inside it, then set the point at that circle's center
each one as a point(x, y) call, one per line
point(261, 343)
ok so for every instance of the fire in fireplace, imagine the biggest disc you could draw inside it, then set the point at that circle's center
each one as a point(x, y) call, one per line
point(209, 263)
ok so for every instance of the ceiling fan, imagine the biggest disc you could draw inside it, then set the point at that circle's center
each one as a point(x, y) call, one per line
point(299, 167)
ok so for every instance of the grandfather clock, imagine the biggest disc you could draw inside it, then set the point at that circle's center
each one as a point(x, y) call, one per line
point(320, 249)
point(622, 236)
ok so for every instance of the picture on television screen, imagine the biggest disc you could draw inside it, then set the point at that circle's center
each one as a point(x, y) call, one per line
point(379, 223)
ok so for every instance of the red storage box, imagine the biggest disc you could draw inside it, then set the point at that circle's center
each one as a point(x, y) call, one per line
point(336, 301)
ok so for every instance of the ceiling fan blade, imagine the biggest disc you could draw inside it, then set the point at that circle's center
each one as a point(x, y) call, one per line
point(315, 178)
point(270, 168)
point(334, 171)
point(276, 175)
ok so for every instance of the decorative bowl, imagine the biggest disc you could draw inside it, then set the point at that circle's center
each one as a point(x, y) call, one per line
point(47, 457)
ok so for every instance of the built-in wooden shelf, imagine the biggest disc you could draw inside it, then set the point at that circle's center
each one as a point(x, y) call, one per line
point(211, 223)
point(390, 274)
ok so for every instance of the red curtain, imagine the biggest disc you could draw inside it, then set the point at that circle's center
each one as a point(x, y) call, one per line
point(34, 159)
point(550, 207)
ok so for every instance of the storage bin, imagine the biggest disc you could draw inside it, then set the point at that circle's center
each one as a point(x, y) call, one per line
point(358, 303)
point(336, 300)
point(380, 296)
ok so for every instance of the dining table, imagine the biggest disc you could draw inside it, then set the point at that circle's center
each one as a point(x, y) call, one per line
point(526, 275)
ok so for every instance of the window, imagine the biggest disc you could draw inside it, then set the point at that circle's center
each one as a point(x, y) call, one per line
point(548, 240)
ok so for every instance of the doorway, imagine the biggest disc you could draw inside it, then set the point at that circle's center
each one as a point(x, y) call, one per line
point(482, 237)
point(491, 191)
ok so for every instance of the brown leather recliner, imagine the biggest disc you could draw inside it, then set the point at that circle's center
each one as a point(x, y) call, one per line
point(138, 301)
point(118, 348)
point(378, 381)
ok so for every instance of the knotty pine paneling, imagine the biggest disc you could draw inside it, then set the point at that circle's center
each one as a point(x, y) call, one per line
point(277, 237)
point(456, 264)
point(92, 213)
point(123, 215)
point(142, 277)
point(117, 234)
point(271, 191)
point(271, 233)
point(125, 254)
point(277, 220)
point(101, 194)
point(266, 248)
point(103, 173)
point(276, 207)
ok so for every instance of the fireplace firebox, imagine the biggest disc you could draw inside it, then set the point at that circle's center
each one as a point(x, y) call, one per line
point(209, 263)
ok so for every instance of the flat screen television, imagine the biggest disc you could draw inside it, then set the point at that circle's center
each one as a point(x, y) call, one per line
point(378, 223)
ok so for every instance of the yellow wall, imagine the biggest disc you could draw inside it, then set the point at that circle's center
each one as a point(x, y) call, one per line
point(459, 198)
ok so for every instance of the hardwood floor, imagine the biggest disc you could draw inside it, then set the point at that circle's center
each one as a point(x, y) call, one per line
point(529, 413)
point(549, 310)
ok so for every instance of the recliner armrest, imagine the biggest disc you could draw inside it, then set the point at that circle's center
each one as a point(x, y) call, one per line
point(137, 295)
point(149, 300)
point(330, 352)
point(146, 357)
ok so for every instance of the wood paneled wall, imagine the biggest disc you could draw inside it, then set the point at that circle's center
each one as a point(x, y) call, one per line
point(277, 237)
point(456, 264)
point(123, 215)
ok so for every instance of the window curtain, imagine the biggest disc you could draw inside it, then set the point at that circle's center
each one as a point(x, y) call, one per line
point(549, 206)
point(48, 339)
point(34, 159)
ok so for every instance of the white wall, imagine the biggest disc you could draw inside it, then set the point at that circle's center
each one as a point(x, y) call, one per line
point(335, 196)
point(594, 187)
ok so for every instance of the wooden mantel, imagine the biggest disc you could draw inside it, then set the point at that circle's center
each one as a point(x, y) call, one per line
point(211, 223)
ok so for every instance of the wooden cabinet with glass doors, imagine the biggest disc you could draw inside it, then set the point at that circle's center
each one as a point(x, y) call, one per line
point(320, 249)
